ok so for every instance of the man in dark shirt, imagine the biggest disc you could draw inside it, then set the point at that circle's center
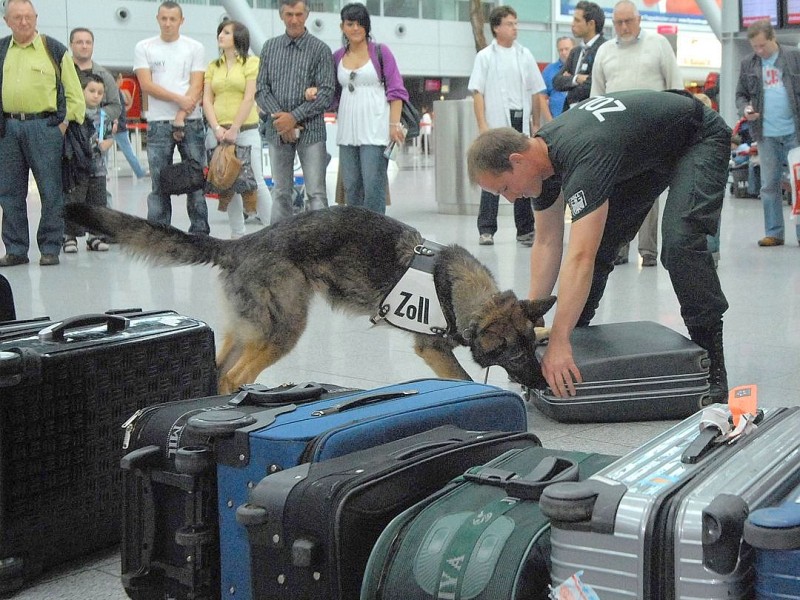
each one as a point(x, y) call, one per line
point(608, 159)
point(291, 63)
point(575, 77)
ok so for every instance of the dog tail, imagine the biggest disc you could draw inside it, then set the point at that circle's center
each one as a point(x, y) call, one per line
point(161, 244)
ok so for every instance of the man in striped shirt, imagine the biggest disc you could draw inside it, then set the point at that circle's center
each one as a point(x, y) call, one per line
point(291, 63)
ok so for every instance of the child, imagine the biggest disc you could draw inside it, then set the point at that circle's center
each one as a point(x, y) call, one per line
point(92, 189)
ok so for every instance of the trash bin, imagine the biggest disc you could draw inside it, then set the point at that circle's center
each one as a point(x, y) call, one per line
point(455, 130)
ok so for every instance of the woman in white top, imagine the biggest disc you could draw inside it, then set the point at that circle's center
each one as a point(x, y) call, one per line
point(370, 99)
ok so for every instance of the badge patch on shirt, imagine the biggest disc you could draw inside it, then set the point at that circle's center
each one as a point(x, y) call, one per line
point(577, 202)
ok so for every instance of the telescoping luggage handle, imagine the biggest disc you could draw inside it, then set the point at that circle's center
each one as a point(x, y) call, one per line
point(550, 470)
point(57, 331)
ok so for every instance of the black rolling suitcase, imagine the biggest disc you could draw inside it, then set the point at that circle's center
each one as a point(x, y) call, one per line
point(635, 371)
point(67, 387)
point(311, 528)
point(170, 539)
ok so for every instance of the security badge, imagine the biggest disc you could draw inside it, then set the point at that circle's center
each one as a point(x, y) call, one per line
point(413, 304)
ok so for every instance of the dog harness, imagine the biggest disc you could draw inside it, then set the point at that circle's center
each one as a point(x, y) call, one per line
point(413, 304)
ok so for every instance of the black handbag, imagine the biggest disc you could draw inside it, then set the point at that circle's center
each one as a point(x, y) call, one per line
point(410, 116)
point(182, 178)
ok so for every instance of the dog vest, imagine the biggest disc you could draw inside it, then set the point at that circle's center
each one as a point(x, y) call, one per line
point(413, 304)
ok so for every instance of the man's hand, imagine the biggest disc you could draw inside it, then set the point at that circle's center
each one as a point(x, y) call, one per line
point(581, 79)
point(289, 137)
point(284, 124)
point(62, 127)
point(559, 369)
point(186, 103)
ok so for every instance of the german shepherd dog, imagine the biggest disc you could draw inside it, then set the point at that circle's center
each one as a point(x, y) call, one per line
point(353, 257)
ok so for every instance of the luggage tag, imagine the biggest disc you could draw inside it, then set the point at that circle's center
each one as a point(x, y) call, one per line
point(573, 589)
point(745, 414)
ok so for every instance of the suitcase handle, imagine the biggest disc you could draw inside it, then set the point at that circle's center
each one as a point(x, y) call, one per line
point(57, 331)
point(363, 400)
point(422, 448)
point(551, 469)
point(288, 393)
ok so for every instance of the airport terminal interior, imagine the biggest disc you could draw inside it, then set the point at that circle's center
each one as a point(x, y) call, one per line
point(761, 340)
point(762, 285)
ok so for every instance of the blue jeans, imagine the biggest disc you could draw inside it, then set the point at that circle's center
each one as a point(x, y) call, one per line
point(363, 170)
point(31, 146)
point(124, 143)
point(160, 147)
point(772, 153)
point(314, 161)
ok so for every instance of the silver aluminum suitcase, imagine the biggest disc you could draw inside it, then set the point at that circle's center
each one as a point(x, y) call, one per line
point(666, 520)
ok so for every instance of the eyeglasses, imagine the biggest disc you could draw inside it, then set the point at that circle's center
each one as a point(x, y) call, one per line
point(625, 22)
point(350, 85)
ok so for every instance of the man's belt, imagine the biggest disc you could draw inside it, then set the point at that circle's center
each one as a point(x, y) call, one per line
point(29, 116)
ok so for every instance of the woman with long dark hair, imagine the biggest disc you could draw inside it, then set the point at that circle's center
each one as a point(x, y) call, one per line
point(230, 109)
point(370, 99)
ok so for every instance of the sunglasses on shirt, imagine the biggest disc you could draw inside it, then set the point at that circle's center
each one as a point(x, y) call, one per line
point(350, 85)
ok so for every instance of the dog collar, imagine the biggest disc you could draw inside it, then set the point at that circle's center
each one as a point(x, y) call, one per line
point(413, 304)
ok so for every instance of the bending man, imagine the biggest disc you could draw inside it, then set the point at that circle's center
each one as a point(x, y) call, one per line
point(608, 159)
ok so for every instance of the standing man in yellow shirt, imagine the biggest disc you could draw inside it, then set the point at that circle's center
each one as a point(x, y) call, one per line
point(37, 105)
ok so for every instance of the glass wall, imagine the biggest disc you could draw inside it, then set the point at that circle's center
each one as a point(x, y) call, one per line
point(441, 10)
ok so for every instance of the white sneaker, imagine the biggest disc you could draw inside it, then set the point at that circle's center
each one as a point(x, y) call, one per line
point(486, 239)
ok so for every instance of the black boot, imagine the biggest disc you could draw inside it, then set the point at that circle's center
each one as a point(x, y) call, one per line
point(710, 339)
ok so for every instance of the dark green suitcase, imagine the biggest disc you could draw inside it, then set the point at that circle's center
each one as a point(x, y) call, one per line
point(482, 537)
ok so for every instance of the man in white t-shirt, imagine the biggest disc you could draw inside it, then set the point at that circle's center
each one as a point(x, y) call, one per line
point(507, 88)
point(170, 68)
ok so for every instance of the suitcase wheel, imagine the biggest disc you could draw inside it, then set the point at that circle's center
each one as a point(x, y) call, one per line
point(193, 537)
point(193, 460)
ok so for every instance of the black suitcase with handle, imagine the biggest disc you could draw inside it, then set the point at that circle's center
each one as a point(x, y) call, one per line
point(311, 528)
point(67, 387)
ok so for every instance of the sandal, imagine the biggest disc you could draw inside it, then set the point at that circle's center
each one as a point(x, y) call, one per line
point(70, 246)
point(178, 132)
point(95, 244)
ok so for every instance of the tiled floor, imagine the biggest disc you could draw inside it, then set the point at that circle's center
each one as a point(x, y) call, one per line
point(761, 335)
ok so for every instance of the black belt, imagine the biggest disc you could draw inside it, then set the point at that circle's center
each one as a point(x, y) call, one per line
point(29, 116)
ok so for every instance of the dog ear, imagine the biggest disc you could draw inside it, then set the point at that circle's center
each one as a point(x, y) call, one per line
point(535, 309)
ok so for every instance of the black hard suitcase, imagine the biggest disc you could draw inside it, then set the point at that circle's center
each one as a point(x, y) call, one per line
point(635, 371)
point(311, 528)
point(67, 387)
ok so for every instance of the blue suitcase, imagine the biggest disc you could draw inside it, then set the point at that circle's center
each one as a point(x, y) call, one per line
point(337, 427)
point(775, 535)
point(211, 458)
